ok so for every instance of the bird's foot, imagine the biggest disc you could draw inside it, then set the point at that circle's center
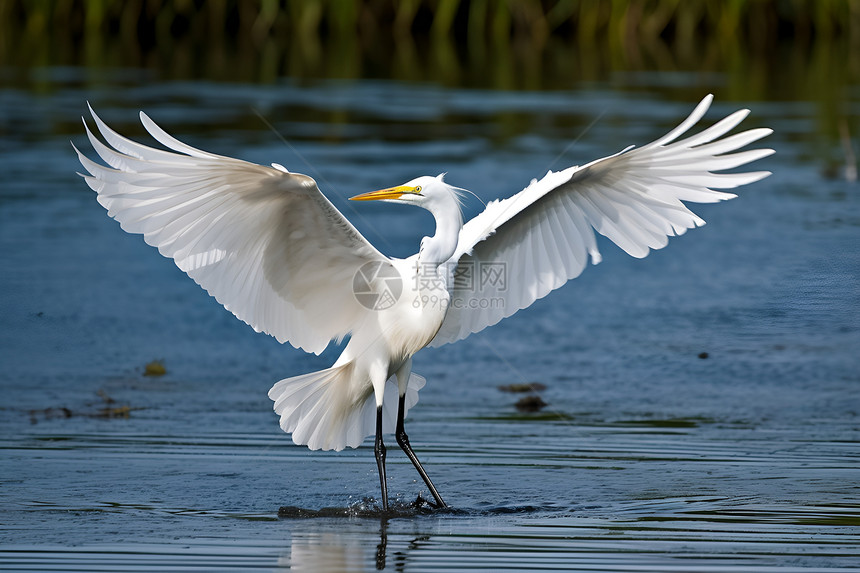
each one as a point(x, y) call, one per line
point(422, 504)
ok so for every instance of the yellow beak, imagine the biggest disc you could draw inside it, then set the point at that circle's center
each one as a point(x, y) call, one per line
point(390, 193)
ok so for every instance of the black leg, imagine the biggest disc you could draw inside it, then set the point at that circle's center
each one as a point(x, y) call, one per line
point(379, 451)
point(403, 442)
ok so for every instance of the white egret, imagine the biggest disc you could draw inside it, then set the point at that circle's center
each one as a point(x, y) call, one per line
point(271, 248)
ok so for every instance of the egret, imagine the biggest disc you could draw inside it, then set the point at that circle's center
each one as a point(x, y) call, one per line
point(274, 251)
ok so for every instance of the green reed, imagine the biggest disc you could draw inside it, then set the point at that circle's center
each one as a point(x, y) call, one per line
point(759, 49)
point(486, 42)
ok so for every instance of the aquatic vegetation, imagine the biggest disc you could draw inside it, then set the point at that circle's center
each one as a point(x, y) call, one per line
point(107, 408)
point(155, 368)
point(524, 44)
point(755, 50)
point(522, 387)
point(533, 403)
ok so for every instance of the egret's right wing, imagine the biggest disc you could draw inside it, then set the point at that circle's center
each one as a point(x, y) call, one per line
point(264, 242)
point(521, 248)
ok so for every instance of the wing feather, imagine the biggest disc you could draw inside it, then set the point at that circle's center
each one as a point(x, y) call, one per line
point(543, 235)
point(265, 243)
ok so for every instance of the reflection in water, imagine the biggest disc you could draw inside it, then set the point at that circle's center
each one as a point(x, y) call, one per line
point(793, 51)
point(383, 544)
point(341, 548)
point(315, 551)
point(326, 541)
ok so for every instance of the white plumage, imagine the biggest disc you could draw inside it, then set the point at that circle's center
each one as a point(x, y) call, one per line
point(633, 197)
point(270, 247)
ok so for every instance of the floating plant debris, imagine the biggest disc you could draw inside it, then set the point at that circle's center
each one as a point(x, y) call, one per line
point(530, 404)
point(522, 388)
point(155, 368)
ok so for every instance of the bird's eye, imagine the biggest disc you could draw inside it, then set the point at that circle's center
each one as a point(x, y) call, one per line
point(418, 189)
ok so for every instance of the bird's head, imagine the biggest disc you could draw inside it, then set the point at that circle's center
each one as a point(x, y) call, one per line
point(428, 192)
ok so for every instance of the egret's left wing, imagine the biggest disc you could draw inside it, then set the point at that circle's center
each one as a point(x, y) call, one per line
point(521, 248)
point(266, 243)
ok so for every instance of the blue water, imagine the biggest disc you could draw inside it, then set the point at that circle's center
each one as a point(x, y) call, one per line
point(647, 457)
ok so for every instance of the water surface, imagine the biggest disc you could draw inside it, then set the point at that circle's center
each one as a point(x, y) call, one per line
point(702, 403)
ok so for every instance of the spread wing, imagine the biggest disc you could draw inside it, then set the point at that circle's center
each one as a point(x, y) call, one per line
point(266, 243)
point(521, 248)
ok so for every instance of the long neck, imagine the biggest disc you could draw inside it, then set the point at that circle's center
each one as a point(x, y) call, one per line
point(437, 249)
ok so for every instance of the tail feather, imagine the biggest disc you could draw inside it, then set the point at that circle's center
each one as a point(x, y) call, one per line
point(331, 409)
